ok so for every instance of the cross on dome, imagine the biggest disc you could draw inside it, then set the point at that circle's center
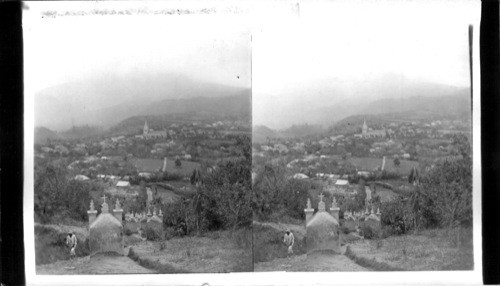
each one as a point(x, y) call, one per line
point(321, 196)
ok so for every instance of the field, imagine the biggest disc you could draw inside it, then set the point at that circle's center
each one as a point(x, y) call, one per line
point(370, 164)
point(427, 250)
point(151, 165)
point(317, 261)
point(167, 196)
point(268, 240)
point(97, 264)
point(217, 252)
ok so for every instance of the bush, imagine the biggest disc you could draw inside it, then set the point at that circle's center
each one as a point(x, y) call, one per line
point(127, 231)
point(386, 231)
point(344, 230)
point(152, 234)
point(368, 233)
point(56, 193)
point(396, 216)
point(169, 233)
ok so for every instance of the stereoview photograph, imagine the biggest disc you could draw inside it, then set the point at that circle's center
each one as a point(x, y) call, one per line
point(321, 136)
point(142, 137)
point(362, 134)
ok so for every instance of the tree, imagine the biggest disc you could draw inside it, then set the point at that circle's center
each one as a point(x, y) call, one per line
point(226, 196)
point(397, 163)
point(56, 194)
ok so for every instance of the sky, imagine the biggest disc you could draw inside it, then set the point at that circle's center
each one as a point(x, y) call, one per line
point(293, 54)
point(323, 46)
point(208, 47)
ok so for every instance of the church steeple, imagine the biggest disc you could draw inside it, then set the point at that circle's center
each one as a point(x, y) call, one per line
point(146, 128)
point(365, 128)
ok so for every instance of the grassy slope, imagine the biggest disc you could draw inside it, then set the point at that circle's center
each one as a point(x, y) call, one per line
point(50, 242)
point(268, 240)
point(97, 264)
point(221, 251)
point(369, 163)
point(427, 250)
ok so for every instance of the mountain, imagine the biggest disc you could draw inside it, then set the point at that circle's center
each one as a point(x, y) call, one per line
point(105, 100)
point(328, 100)
point(458, 104)
point(179, 110)
point(415, 108)
point(43, 134)
point(302, 130)
point(260, 133)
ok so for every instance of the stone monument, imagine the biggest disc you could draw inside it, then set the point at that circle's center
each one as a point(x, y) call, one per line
point(105, 230)
point(322, 230)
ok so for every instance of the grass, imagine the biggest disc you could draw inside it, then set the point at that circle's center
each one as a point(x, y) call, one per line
point(426, 250)
point(151, 165)
point(50, 243)
point(370, 164)
point(268, 244)
point(157, 266)
point(216, 252)
point(370, 263)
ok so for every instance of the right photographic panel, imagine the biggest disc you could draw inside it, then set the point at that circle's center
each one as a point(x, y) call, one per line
point(362, 129)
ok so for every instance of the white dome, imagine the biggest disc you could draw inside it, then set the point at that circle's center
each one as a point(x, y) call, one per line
point(321, 219)
point(105, 220)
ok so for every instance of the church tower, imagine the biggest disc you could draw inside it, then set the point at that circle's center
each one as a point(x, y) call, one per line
point(146, 128)
point(365, 128)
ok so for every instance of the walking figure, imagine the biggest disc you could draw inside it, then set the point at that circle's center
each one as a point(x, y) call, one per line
point(289, 240)
point(71, 242)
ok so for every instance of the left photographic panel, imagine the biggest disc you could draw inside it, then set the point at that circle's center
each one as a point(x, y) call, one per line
point(138, 119)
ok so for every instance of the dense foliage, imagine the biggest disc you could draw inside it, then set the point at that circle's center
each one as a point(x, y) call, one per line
point(56, 194)
point(274, 193)
point(221, 202)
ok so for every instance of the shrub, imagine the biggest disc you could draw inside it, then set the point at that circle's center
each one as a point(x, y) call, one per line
point(153, 234)
point(344, 230)
point(386, 231)
point(368, 233)
point(169, 233)
point(127, 231)
point(396, 216)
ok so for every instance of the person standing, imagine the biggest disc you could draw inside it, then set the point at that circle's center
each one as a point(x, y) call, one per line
point(71, 242)
point(289, 240)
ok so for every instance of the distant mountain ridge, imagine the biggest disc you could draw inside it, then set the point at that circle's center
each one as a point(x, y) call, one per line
point(325, 101)
point(380, 111)
point(109, 99)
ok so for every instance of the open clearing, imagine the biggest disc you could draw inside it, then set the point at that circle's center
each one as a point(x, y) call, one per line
point(221, 252)
point(97, 264)
point(316, 261)
point(152, 165)
point(428, 250)
point(370, 164)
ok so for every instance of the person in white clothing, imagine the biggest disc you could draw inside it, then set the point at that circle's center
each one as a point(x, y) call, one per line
point(71, 242)
point(289, 240)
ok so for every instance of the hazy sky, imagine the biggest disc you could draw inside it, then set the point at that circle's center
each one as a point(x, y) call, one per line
point(300, 51)
point(344, 44)
point(213, 48)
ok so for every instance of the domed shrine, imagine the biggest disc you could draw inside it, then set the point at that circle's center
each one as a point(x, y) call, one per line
point(322, 228)
point(105, 230)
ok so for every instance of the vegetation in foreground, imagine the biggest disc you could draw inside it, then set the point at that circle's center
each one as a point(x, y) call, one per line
point(432, 249)
point(216, 252)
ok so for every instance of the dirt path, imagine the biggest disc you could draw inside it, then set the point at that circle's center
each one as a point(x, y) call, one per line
point(97, 264)
point(311, 262)
point(316, 261)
